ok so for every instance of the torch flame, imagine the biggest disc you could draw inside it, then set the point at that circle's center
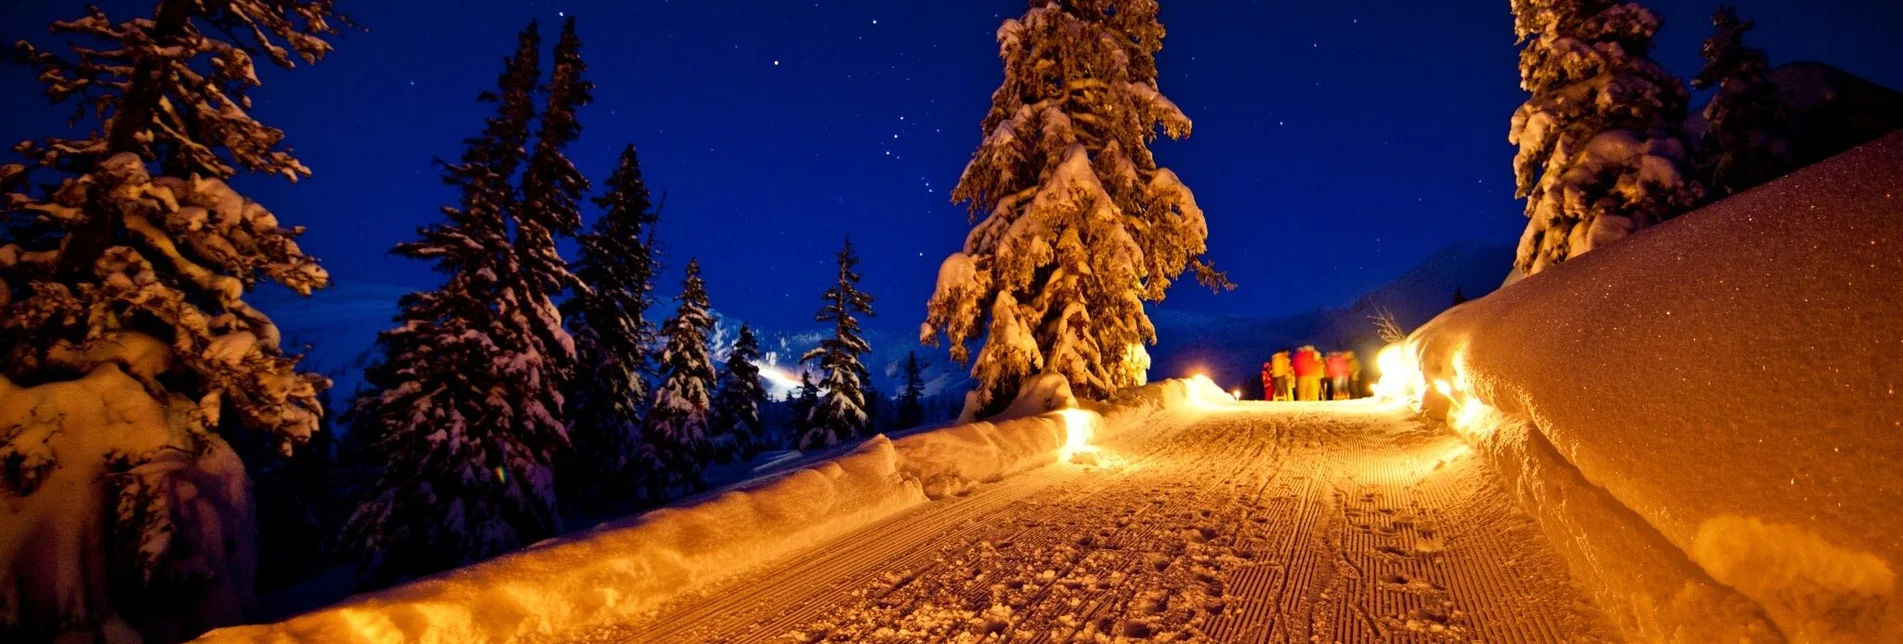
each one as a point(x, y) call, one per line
point(1079, 427)
point(1401, 377)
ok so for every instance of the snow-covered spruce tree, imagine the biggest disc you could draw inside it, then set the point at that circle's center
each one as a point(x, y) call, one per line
point(1601, 148)
point(678, 417)
point(739, 432)
point(462, 407)
point(1747, 139)
point(550, 204)
point(128, 355)
point(1079, 226)
point(841, 412)
point(802, 401)
point(911, 412)
point(612, 340)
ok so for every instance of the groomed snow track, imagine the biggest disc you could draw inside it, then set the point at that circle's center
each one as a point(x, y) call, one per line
point(1264, 522)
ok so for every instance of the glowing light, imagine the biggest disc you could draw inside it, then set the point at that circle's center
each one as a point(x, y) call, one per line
point(1462, 381)
point(1442, 387)
point(1400, 373)
point(780, 378)
point(1473, 419)
point(1469, 414)
point(1079, 427)
point(1236, 394)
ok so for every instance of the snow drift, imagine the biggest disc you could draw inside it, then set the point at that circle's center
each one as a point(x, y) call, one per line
point(1705, 418)
point(631, 569)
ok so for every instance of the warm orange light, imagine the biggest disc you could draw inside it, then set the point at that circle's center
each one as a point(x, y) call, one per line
point(1079, 428)
point(1400, 373)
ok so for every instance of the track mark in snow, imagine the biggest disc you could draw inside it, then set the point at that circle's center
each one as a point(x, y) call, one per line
point(1256, 523)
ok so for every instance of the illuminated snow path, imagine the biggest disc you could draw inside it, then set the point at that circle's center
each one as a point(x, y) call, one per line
point(1260, 522)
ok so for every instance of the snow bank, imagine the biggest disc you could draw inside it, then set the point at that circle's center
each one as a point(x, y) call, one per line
point(101, 456)
point(628, 570)
point(1705, 418)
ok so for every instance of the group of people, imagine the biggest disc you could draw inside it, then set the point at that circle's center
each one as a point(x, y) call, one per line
point(1307, 374)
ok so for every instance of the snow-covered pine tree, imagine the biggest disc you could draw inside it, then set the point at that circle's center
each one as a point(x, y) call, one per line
point(803, 401)
point(678, 418)
point(739, 432)
point(124, 333)
point(1601, 148)
point(911, 412)
point(841, 412)
point(460, 406)
point(550, 204)
point(1747, 139)
point(612, 340)
point(1079, 226)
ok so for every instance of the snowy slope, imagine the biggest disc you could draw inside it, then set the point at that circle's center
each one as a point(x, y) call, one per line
point(1707, 415)
point(1230, 349)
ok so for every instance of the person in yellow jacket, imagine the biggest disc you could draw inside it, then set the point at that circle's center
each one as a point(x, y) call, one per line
point(1309, 369)
point(1282, 377)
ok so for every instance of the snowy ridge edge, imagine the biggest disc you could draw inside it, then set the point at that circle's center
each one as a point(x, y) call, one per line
point(1702, 417)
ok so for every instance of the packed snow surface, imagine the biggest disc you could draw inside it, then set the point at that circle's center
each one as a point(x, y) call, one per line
point(1190, 518)
point(1215, 522)
point(1707, 415)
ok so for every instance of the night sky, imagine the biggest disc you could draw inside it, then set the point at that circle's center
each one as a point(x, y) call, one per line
point(1336, 143)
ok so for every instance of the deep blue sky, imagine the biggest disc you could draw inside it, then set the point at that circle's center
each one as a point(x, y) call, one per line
point(1336, 143)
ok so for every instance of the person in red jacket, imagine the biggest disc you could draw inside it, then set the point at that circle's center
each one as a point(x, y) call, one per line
point(1308, 374)
point(1338, 375)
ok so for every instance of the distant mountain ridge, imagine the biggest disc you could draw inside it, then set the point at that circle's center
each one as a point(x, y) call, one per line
point(1232, 349)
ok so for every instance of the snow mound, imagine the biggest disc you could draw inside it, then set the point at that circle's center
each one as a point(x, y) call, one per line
point(1706, 417)
point(101, 452)
point(630, 569)
point(1042, 393)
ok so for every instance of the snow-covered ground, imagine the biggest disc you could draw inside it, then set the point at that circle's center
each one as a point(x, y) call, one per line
point(1190, 518)
point(1706, 416)
point(1345, 522)
point(622, 571)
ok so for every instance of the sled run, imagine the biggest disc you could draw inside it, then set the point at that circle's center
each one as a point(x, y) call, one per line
point(1242, 522)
